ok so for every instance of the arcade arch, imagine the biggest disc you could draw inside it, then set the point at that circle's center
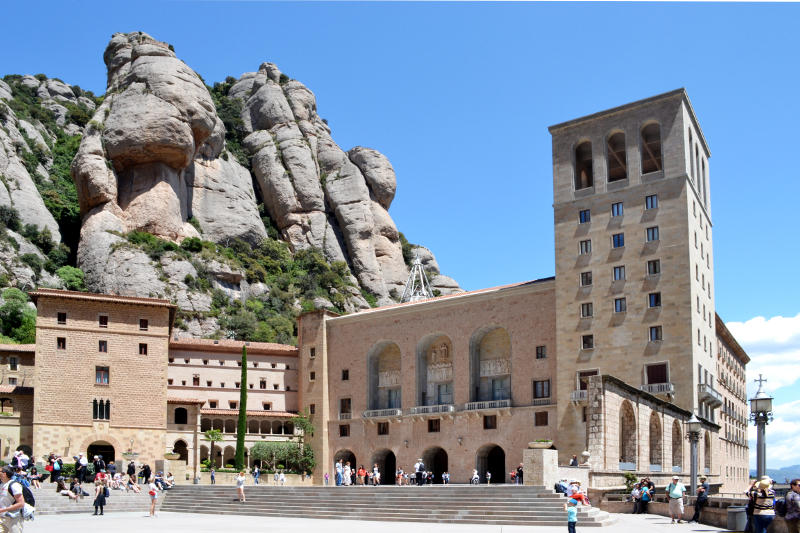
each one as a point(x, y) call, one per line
point(435, 370)
point(490, 364)
point(383, 371)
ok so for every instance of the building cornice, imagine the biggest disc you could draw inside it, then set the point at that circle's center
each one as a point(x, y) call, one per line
point(727, 337)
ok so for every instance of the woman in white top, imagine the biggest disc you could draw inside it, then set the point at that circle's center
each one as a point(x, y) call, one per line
point(347, 474)
point(240, 479)
point(153, 495)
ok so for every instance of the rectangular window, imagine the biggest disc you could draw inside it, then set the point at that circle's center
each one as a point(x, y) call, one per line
point(619, 273)
point(273, 365)
point(312, 408)
point(232, 404)
point(654, 267)
point(12, 381)
point(274, 386)
point(61, 343)
point(101, 375)
point(444, 393)
point(143, 324)
point(345, 406)
point(344, 430)
point(618, 240)
point(345, 374)
point(657, 373)
point(262, 384)
point(312, 353)
point(587, 342)
point(221, 384)
point(654, 299)
point(13, 363)
point(62, 318)
point(142, 348)
point(583, 378)
point(620, 305)
point(102, 321)
point(101, 409)
point(652, 234)
point(312, 376)
point(541, 352)
point(208, 383)
point(490, 422)
point(212, 404)
point(586, 247)
point(434, 425)
point(586, 279)
point(541, 389)
point(196, 380)
point(267, 406)
point(655, 333)
point(383, 428)
point(102, 346)
point(584, 216)
point(205, 362)
point(586, 310)
point(616, 209)
point(540, 418)
point(169, 381)
point(651, 201)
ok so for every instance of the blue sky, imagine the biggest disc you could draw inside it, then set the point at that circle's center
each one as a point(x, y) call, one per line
point(459, 97)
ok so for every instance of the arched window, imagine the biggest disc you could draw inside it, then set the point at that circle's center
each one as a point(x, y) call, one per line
point(616, 161)
point(677, 447)
point(583, 166)
point(655, 442)
point(707, 454)
point(181, 415)
point(627, 437)
point(651, 148)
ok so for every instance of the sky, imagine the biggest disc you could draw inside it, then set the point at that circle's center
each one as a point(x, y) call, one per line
point(459, 96)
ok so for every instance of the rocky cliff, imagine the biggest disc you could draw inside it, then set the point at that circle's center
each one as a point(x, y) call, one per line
point(181, 190)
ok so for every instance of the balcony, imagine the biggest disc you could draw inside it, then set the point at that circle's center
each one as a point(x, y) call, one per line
point(382, 413)
point(489, 404)
point(431, 409)
point(542, 401)
point(345, 416)
point(659, 388)
point(707, 394)
point(578, 396)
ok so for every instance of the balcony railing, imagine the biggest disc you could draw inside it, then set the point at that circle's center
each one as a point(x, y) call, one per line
point(542, 401)
point(490, 404)
point(382, 413)
point(707, 394)
point(431, 409)
point(345, 416)
point(659, 388)
point(578, 396)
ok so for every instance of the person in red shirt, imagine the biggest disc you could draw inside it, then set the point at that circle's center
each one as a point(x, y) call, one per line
point(360, 474)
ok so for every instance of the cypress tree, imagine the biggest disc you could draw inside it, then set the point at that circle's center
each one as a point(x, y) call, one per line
point(241, 430)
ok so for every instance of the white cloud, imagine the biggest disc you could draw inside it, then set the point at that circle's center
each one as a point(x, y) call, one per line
point(781, 436)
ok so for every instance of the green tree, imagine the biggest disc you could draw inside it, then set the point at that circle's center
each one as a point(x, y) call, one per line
point(241, 430)
point(17, 320)
point(272, 454)
point(72, 277)
point(303, 423)
point(212, 436)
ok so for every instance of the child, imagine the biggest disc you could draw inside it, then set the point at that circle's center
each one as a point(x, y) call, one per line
point(571, 507)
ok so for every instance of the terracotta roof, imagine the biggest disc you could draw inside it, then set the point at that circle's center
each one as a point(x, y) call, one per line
point(185, 400)
point(13, 389)
point(228, 345)
point(75, 295)
point(27, 348)
point(235, 412)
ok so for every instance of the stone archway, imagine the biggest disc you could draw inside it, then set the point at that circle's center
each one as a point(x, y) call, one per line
point(108, 440)
point(627, 437)
point(181, 448)
point(491, 458)
point(387, 465)
point(102, 449)
point(436, 461)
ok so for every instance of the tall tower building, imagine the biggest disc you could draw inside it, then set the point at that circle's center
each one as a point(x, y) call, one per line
point(634, 264)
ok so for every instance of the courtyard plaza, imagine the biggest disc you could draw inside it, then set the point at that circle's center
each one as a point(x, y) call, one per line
point(197, 523)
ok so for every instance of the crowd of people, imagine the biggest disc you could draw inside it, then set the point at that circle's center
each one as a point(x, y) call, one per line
point(346, 475)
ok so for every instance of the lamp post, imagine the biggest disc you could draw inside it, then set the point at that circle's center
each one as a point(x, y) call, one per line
point(761, 415)
point(693, 428)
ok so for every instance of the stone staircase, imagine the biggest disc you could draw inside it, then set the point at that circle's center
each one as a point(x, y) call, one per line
point(48, 501)
point(500, 505)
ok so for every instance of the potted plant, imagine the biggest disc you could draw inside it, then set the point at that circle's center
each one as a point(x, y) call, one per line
point(172, 456)
point(540, 444)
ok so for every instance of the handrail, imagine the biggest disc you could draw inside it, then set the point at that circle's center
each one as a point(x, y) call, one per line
point(380, 413)
point(489, 404)
point(431, 409)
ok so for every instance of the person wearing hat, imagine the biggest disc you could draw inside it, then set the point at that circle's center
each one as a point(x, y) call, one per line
point(702, 498)
point(571, 507)
point(793, 507)
point(763, 504)
point(675, 492)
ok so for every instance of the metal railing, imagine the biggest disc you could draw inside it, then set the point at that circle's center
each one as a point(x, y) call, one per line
point(345, 416)
point(382, 413)
point(489, 404)
point(542, 401)
point(578, 396)
point(431, 409)
point(706, 392)
point(658, 388)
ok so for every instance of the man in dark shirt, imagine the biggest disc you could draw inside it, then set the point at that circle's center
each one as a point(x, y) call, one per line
point(519, 474)
point(702, 499)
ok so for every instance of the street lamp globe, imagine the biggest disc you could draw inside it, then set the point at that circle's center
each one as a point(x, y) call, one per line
point(760, 403)
point(693, 425)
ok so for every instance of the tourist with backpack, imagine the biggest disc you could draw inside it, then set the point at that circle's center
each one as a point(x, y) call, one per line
point(763, 504)
point(793, 507)
point(12, 501)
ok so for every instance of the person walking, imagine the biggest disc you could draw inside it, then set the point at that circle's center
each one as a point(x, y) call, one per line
point(327, 479)
point(376, 475)
point(153, 492)
point(764, 504)
point(240, 479)
point(702, 499)
point(571, 507)
point(793, 507)
point(419, 469)
point(256, 473)
point(99, 496)
point(519, 474)
point(213, 476)
point(339, 472)
point(675, 492)
point(11, 502)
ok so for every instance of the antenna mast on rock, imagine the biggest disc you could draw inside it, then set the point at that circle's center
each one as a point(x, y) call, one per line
point(418, 287)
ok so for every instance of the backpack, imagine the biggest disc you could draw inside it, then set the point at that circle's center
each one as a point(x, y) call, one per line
point(30, 502)
point(780, 507)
